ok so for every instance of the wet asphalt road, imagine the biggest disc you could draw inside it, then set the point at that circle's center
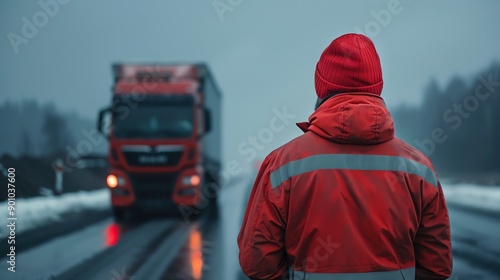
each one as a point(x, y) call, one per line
point(205, 247)
point(476, 244)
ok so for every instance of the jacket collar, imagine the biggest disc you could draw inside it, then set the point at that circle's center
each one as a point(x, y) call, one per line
point(352, 118)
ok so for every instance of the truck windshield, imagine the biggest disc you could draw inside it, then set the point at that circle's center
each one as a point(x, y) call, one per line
point(155, 121)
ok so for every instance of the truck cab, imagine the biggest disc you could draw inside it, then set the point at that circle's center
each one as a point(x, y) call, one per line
point(165, 138)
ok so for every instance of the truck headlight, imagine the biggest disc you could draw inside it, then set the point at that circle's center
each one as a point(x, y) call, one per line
point(191, 180)
point(113, 181)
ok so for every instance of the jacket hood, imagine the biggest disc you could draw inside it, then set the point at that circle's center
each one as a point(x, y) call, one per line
point(352, 118)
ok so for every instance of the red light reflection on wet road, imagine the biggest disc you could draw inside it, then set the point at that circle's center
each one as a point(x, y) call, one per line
point(112, 234)
point(195, 255)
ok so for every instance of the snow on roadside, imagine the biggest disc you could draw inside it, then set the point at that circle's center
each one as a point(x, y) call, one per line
point(480, 197)
point(38, 211)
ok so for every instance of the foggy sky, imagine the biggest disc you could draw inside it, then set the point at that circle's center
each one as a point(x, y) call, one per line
point(262, 53)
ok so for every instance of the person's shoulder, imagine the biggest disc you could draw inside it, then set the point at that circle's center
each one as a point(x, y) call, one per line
point(410, 152)
point(288, 151)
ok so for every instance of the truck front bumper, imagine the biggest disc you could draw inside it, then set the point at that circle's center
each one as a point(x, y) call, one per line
point(154, 191)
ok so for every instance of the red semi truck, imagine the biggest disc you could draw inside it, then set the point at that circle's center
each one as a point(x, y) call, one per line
point(165, 137)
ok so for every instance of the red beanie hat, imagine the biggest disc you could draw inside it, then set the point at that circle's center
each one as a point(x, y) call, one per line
point(349, 64)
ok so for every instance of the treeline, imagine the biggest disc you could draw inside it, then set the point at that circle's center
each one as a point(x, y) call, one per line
point(30, 129)
point(458, 126)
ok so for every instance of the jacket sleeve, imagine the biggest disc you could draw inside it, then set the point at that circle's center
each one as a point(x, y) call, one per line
point(433, 242)
point(261, 238)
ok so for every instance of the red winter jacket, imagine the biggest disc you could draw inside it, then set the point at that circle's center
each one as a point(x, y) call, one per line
point(346, 200)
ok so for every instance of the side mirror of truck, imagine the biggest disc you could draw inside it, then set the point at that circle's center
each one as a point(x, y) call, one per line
point(208, 120)
point(101, 127)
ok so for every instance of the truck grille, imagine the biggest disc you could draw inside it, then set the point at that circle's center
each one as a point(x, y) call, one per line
point(151, 156)
point(153, 186)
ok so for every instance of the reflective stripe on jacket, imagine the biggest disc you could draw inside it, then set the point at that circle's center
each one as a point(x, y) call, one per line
point(346, 200)
point(403, 274)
